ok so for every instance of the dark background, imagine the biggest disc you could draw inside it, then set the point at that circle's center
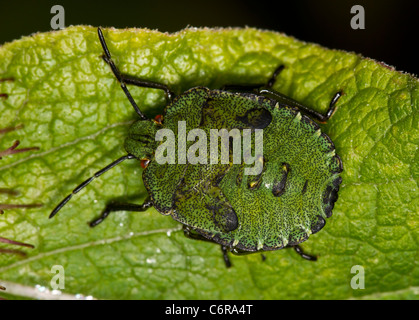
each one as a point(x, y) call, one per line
point(390, 35)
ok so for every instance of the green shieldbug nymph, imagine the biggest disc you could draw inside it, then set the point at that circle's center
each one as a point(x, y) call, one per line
point(278, 206)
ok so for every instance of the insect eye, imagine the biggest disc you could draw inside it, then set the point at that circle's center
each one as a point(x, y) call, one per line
point(144, 163)
point(158, 119)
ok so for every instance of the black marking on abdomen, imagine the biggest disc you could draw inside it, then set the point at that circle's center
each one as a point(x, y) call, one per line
point(224, 216)
point(257, 118)
point(305, 187)
point(330, 196)
point(318, 225)
point(254, 182)
point(278, 188)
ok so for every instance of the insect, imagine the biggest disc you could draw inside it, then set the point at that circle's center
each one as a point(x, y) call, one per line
point(278, 207)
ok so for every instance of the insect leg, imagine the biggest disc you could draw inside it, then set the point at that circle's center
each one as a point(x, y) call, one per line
point(124, 79)
point(225, 257)
point(189, 233)
point(272, 80)
point(111, 207)
point(268, 92)
point(240, 88)
point(254, 87)
point(300, 251)
point(108, 59)
point(170, 95)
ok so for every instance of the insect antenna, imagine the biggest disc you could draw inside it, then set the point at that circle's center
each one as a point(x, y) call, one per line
point(86, 182)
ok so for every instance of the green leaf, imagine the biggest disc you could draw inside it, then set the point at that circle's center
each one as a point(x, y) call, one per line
point(73, 109)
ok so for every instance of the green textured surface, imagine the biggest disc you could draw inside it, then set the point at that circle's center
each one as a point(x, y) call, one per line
point(74, 110)
point(216, 200)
